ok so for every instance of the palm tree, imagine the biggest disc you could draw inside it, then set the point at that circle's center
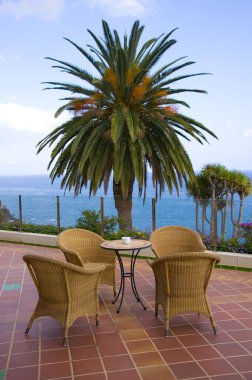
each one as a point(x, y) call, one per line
point(200, 190)
point(125, 119)
point(239, 184)
point(215, 173)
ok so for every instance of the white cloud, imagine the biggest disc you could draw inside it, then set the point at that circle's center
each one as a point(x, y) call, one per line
point(44, 9)
point(23, 118)
point(21, 128)
point(2, 59)
point(119, 8)
point(247, 132)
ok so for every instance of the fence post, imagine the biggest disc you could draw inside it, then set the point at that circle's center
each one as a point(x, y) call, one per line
point(58, 213)
point(20, 213)
point(102, 215)
point(153, 214)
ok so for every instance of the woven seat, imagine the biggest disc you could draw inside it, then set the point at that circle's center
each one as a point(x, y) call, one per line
point(65, 291)
point(175, 239)
point(181, 284)
point(82, 246)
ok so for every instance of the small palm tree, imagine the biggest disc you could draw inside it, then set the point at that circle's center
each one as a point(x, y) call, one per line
point(200, 190)
point(215, 173)
point(125, 119)
point(239, 184)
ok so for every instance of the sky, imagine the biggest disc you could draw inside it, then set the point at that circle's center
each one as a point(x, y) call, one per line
point(216, 34)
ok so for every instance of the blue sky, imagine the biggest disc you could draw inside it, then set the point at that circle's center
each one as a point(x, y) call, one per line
point(216, 34)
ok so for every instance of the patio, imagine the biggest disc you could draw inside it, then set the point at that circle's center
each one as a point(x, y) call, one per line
point(129, 345)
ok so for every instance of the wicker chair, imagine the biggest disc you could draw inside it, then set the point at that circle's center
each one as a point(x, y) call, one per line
point(82, 246)
point(65, 291)
point(181, 284)
point(175, 239)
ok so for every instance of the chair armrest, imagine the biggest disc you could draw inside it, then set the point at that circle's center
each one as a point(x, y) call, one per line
point(154, 251)
point(94, 267)
point(90, 269)
point(150, 262)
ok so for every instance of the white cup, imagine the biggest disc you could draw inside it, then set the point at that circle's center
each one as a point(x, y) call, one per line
point(126, 240)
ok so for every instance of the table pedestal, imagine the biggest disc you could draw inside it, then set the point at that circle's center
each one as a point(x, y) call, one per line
point(131, 275)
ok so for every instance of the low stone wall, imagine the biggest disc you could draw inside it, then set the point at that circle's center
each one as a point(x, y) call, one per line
point(28, 238)
point(237, 260)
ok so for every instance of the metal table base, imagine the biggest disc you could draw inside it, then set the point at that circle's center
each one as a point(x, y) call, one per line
point(131, 275)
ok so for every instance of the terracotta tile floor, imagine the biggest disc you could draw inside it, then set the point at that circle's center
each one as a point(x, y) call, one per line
point(129, 345)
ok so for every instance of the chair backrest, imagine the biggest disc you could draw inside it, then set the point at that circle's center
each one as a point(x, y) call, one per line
point(175, 239)
point(57, 280)
point(183, 275)
point(77, 243)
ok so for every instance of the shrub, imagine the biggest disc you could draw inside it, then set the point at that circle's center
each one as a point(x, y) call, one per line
point(225, 245)
point(134, 234)
point(245, 232)
point(91, 220)
point(231, 245)
point(47, 229)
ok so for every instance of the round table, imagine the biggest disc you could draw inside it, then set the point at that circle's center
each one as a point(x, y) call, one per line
point(135, 246)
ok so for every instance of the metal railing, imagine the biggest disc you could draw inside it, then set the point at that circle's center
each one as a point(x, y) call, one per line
point(62, 211)
point(58, 222)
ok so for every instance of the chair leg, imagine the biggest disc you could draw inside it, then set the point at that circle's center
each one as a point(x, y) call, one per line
point(166, 326)
point(213, 325)
point(29, 326)
point(96, 320)
point(65, 339)
point(114, 290)
point(156, 310)
point(27, 331)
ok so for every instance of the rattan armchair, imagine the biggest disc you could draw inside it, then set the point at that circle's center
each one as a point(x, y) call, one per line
point(169, 240)
point(82, 246)
point(65, 291)
point(181, 284)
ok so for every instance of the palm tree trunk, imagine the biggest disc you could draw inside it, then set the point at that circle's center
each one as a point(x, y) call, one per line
point(232, 213)
point(203, 218)
point(205, 214)
point(224, 224)
point(242, 196)
point(214, 216)
point(123, 205)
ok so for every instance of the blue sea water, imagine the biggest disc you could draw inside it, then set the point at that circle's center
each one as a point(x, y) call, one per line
point(39, 204)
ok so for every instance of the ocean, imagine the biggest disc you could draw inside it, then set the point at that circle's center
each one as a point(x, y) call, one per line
point(39, 204)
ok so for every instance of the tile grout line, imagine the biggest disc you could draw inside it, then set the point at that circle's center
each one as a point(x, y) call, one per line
point(40, 349)
point(70, 360)
point(223, 357)
point(193, 359)
point(100, 357)
point(16, 316)
point(122, 342)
